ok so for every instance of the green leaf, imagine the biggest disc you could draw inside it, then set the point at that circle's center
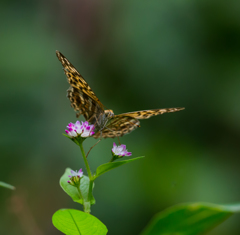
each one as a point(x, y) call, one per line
point(5, 185)
point(77, 140)
point(67, 136)
point(72, 191)
point(74, 222)
point(111, 165)
point(189, 219)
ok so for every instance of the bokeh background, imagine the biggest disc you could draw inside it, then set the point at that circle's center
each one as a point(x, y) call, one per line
point(135, 55)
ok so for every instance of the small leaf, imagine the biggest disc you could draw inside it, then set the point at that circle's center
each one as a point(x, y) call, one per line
point(189, 219)
point(74, 222)
point(77, 140)
point(111, 165)
point(5, 185)
point(67, 136)
point(72, 191)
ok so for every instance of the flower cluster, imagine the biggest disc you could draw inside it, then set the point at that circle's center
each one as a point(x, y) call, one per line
point(120, 151)
point(84, 130)
point(75, 177)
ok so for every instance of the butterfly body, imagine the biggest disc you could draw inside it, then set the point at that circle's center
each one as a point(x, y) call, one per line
point(103, 119)
point(85, 102)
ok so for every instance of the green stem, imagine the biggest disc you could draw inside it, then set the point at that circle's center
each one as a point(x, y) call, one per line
point(90, 190)
point(114, 157)
point(85, 161)
point(87, 204)
point(79, 191)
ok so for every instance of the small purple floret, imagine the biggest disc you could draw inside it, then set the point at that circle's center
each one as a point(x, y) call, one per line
point(120, 150)
point(76, 173)
point(84, 130)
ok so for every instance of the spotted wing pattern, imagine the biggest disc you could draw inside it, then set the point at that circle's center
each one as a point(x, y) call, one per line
point(81, 96)
point(125, 123)
point(145, 114)
point(118, 126)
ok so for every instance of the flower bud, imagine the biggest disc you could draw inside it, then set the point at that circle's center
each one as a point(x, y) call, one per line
point(75, 178)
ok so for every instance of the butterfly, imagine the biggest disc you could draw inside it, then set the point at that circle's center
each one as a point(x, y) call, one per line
point(86, 103)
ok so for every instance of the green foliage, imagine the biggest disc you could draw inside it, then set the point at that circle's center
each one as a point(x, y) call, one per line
point(74, 222)
point(5, 185)
point(189, 219)
point(72, 191)
point(111, 165)
point(77, 140)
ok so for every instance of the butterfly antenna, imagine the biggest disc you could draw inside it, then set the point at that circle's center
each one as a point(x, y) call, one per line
point(92, 147)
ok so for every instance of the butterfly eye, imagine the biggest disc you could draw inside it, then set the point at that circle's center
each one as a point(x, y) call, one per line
point(109, 113)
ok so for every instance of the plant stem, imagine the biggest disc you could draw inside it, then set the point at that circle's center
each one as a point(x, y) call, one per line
point(79, 191)
point(86, 162)
point(90, 189)
point(92, 147)
point(87, 204)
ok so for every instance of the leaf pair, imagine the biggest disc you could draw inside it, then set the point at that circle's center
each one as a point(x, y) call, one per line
point(184, 219)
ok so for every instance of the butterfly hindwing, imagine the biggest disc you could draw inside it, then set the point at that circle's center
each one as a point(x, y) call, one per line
point(125, 123)
point(118, 126)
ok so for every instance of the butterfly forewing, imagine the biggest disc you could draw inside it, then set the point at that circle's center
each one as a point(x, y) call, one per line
point(81, 96)
point(145, 114)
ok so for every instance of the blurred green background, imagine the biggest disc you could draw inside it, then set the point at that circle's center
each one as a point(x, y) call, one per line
point(135, 55)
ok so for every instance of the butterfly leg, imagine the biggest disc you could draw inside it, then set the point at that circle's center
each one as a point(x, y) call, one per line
point(90, 119)
point(92, 147)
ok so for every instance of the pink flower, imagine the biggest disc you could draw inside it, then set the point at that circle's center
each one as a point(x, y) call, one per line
point(79, 173)
point(84, 130)
point(120, 150)
point(75, 177)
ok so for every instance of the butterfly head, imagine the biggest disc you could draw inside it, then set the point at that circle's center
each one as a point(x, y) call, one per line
point(109, 113)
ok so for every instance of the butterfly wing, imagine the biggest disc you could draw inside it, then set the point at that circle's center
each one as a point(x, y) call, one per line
point(125, 123)
point(81, 96)
point(145, 114)
point(83, 104)
point(118, 126)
